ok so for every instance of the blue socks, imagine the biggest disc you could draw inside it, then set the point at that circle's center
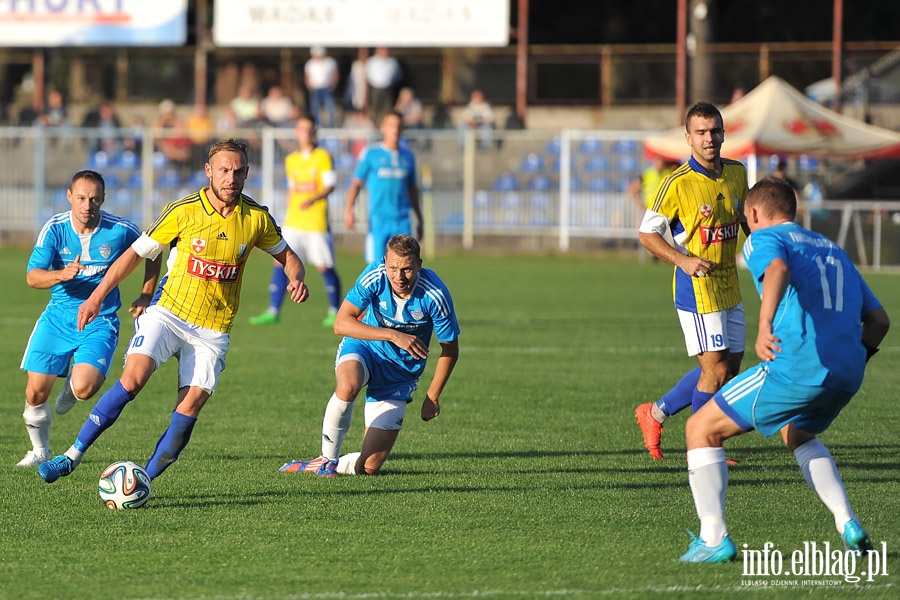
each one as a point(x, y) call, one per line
point(680, 396)
point(699, 399)
point(277, 288)
point(332, 287)
point(103, 415)
point(171, 444)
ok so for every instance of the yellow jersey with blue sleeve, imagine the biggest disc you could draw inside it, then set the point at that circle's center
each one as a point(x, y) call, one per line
point(308, 174)
point(704, 216)
point(203, 284)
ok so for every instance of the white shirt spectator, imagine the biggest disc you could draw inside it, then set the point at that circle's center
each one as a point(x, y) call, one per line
point(321, 72)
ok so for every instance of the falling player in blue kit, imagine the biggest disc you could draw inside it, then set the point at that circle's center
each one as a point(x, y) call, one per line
point(387, 319)
point(818, 326)
point(70, 257)
point(389, 173)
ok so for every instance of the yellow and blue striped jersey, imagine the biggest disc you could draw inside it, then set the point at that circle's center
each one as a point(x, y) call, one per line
point(203, 285)
point(704, 216)
point(308, 174)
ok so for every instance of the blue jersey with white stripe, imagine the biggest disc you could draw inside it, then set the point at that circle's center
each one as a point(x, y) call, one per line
point(58, 245)
point(429, 308)
point(819, 320)
point(387, 174)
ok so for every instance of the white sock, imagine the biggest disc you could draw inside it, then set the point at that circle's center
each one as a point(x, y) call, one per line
point(347, 463)
point(37, 423)
point(822, 476)
point(335, 425)
point(74, 455)
point(708, 475)
point(657, 413)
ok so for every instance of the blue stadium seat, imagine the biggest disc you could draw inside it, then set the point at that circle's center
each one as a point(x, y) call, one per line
point(127, 160)
point(807, 163)
point(627, 162)
point(622, 184)
point(136, 180)
point(532, 163)
point(554, 146)
point(482, 199)
point(540, 183)
point(506, 182)
point(98, 160)
point(333, 145)
point(344, 162)
point(170, 179)
point(255, 182)
point(121, 198)
point(159, 160)
point(600, 184)
point(575, 183)
point(596, 164)
point(111, 180)
point(625, 146)
point(591, 146)
point(60, 200)
point(511, 200)
point(198, 179)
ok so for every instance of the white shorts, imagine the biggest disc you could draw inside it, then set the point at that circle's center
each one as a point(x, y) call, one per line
point(313, 247)
point(714, 332)
point(386, 414)
point(200, 351)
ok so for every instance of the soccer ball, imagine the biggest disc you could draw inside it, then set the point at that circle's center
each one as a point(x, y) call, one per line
point(124, 485)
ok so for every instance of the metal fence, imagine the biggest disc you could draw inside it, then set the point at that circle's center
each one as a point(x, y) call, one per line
point(515, 190)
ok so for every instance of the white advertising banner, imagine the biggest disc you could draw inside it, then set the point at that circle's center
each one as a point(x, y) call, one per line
point(49, 23)
point(355, 23)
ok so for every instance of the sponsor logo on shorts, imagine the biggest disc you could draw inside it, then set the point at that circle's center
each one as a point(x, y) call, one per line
point(719, 233)
point(212, 271)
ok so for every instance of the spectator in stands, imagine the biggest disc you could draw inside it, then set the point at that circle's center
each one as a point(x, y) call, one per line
point(134, 139)
point(356, 88)
point(277, 109)
point(199, 128)
point(104, 120)
point(479, 117)
point(244, 108)
point(382, 74)
point(172, 140)
point(320, 75)
point(642, 190)
point(363, 127)
point(56, 115)
point(410, 109)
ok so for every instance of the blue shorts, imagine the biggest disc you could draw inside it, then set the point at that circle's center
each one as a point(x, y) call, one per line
point(382, 230)
point(384, 380)
point(56, 341)
point(754, 400)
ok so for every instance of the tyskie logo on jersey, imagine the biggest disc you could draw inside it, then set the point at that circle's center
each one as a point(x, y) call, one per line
point(198, 245)
point(718, 234)
point(212, 271)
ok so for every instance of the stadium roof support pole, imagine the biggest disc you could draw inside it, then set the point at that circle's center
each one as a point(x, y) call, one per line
point(522, 61)
point(837, 53)
point(201, 53)
point(565, 188)
point(681, 61)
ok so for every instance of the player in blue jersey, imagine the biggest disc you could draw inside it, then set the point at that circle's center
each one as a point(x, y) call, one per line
point(818, 326)
point(389, 173)
point(70, 257)
point(387, 320)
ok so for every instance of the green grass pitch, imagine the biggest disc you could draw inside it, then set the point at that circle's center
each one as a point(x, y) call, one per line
point(533, 482)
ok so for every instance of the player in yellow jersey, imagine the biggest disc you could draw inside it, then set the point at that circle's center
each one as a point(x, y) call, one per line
point(701, 203)
point(214, 229)
point(311, 180)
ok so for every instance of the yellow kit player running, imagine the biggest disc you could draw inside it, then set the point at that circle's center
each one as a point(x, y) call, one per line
point(311, 180)
point(701, 203)
point(214, 229)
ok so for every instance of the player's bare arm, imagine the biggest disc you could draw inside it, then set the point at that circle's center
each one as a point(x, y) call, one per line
point(660, 248)
point(323, 195)
point(42, 279)
point(118, 271)
point(775, 281)
point(352, 193)
point(347, 324)
point(445, 363)
point(296, 274)
point(151, 278)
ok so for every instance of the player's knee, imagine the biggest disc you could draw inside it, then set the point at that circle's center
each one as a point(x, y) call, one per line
point(347, 390)
point(84, 390)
